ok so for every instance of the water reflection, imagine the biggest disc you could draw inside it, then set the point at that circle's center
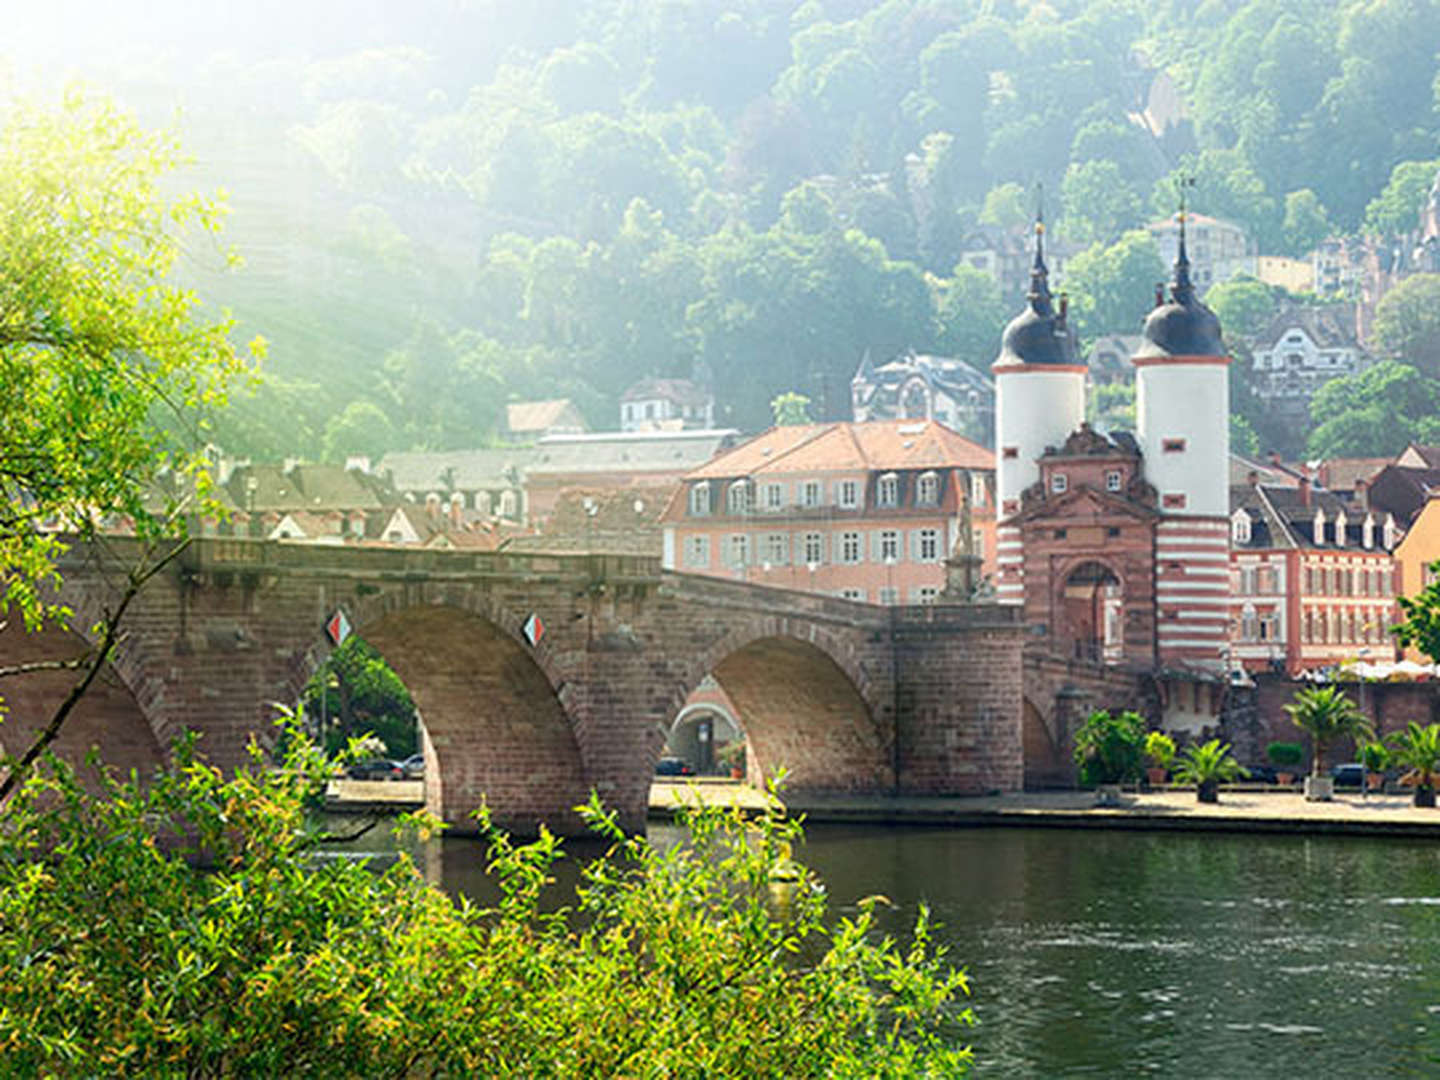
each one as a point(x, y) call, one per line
point(1167, 954)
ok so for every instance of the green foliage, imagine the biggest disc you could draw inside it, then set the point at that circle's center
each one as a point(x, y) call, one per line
point(1326, 714)
point(1206, 764)
point(181, 927)
point(1160, 748)
point(1244, 305)
point(1374, 755)
point(107, 366)
point(1396, 210)
point(1112, 407)
point(1305, 224)
point(1375, 412)
point(790, 409)
point(1407, 322)
point(1099, 202)
point(970, 317)
point(1420, 626)
point(1110, 749)
point(1285, 754)
point(355, 692)
point(1417, 751)
point(1112, 288)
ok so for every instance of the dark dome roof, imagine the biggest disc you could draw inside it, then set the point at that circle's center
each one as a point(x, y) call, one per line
point(1039, 334)
point(1184, 326)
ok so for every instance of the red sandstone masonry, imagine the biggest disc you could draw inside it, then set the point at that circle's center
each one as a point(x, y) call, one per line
point(823, 684)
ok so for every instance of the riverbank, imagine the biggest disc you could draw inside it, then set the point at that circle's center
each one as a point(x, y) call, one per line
point(1246, 810)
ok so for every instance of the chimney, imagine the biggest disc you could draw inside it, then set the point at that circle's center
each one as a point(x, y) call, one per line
point(432, 506)
point(1362, 493)
point(1305, 491)
point(358, 463)
point(291, 464)
point(457, 510)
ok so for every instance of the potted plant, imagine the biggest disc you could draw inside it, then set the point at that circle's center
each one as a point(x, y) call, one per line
point(1375, 756)
point(1109, 751)
point(1326, 714)
point(1160, 749)
point(1417, 750)
point(1285, 756)
point(1207, 766)
point(731, 757)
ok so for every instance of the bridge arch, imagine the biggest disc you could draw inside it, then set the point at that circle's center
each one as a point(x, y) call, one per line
point(804, 703)
point(495, 728)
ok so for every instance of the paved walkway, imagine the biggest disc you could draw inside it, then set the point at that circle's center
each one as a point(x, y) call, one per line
point(1237, 811)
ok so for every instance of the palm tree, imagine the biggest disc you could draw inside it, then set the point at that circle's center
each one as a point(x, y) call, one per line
point(1207, 766)
point(1326, 714)
point(1418, 750)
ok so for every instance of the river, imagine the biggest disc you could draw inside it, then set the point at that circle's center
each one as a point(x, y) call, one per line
point(1116, 954)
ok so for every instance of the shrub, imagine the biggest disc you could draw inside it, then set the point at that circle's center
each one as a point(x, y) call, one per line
point(1110, 749)
point(1285, 755)
point(183, 928)
point(1160, 748)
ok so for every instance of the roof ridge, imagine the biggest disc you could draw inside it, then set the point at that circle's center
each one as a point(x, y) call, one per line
point(823, 428)
point(1275, 515)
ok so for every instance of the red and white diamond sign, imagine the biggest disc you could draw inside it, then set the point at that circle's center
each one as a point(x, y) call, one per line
point(533, 630)
point(338, 627)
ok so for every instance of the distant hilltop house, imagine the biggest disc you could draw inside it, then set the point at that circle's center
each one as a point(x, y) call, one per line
point(667, 405)
point(530, 421)
point(1218, 250)
point(1004, 254)
point(1108, 361)
point(482, 484)
point(1302, 349)
point(295, 500)
point(914, 386)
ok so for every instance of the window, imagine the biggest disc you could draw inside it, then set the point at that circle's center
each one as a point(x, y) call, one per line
point(853, 594)
point(889, 596)
point(1061, 534)
point(1059, 483)
point(925, 594)
point(697, 551)
point(889, 546)
point(814, 545)
point(927, 489)
point(1173, 501)
point(740, 497)
point(977, 489)
point(700, 499)
point(774, 497)
point(927, 545)
point(777, 549)
point(1240, 527)
point(977, 543)
point(850, 547)
point(1010, 453)
point(739, 550)
point(1172, 446)
point(887, 490)
point(810, 494)
point(1112, 531)
point(849, 494)
point(507, 504)
point(1112, 480)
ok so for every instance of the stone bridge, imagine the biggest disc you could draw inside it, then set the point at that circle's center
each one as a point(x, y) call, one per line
point(847, 697)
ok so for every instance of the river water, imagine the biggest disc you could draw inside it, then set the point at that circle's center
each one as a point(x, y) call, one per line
point(1118, 954)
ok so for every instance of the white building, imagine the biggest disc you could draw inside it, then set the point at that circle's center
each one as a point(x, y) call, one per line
point(1218, 250)
point(1302, 349)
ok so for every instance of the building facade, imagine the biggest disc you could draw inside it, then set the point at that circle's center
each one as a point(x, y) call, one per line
point(868, 512)
point(1216, 250)
point(913, 386)
point(666, 405)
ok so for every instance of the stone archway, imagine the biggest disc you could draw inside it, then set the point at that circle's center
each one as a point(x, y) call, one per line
point(494, 727)
point(1090, 612)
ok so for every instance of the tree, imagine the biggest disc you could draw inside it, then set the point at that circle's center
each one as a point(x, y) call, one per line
point(1098, 202)
point(1112, 288)
point(1007, 206)
point(1396, 210)
point(1374, 412)
point(1420, 626)
point(971, 316)
point(362, 428)
point(355, 692)
point(1244, 305)
point(106, 365)
point(184, 927)
point(1325, 714)
point(1110, 749)
point(790, 409)
point(1208, 765)
point(1417, 751)
point(1305, 224)
point(1407, 322)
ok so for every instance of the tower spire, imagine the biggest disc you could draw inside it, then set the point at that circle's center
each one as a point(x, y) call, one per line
point(1183, 290)
point(1039, 294)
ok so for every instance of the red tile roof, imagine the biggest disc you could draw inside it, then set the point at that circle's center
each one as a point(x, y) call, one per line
point(848, 447)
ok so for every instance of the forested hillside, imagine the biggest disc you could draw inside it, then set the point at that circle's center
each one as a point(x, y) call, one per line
point(447, 205)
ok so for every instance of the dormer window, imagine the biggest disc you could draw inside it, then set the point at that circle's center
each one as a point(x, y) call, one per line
point(1113, 480)
point(1059, 483)
point(1318, 529)
point(810, 494)
point(700, 499)
point(1240, 527)
point(1340, 529)
point(887, 490)
point(738, 499)
point(1391, 533)
point(927, 489)
point(1367, 531)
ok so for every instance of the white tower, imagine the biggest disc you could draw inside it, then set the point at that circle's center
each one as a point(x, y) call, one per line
point(1039, 401)
point(1182, 420)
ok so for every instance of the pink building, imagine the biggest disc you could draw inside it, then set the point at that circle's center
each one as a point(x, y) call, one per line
point(868, 512)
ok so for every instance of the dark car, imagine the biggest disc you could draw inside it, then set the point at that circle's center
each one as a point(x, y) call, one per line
point(378, 769)
point(1351, 774)
point(1261, 774)
point(414, 767)
point(672, 766)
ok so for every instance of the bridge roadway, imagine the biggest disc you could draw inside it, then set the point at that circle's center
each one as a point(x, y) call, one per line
point(848, 697)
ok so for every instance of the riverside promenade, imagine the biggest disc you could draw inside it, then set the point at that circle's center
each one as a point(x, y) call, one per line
point(1243, 809)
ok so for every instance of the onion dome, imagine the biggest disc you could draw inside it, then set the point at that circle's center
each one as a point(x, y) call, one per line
point(1184, 326)
point(1039, 334)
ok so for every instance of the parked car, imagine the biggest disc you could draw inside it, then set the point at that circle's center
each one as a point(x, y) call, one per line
point(672, 766)
point(377, 769)
point(1351, 774)
point(1261, 774)
point(414, 767)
